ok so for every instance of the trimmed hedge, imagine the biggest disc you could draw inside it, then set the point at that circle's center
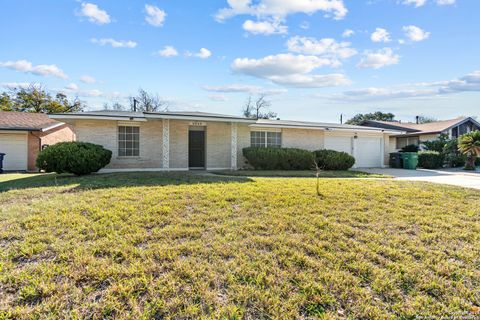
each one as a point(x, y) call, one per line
point(333, 160)
point(279, 158)
point(430, 159)
point(78, 158)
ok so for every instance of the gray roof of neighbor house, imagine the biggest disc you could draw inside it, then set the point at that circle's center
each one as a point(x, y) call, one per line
point(424, 128)
point(26, 121)
point(199, 116)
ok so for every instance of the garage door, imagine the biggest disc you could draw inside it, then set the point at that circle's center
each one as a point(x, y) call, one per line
point(14, 145)
point(368, 152)
point(339, 144)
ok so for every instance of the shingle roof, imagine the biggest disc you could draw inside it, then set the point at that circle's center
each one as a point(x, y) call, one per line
point(292, 123)
point(431, 127)
point(25, 121)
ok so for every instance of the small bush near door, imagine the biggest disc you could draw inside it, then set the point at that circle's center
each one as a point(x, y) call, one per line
point(333, 160)
point(279, 158)
point(79, 158)
point(430, 159)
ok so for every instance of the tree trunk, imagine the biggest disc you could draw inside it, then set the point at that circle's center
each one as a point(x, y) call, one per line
point(470, 163)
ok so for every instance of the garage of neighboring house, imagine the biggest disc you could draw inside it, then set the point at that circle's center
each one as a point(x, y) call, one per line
point(368, 150)
point(23, 135)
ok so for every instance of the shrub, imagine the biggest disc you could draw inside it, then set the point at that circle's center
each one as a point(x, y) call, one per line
point(436, 145)
point(279, 158)
point(410, 148)
point(430, 159)
point(333, 160)
point(78, 158)
point(453, 157)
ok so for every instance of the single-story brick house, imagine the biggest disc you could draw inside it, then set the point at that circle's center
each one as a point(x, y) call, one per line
point(198, 140)
point(416, 133)
point(23, 135)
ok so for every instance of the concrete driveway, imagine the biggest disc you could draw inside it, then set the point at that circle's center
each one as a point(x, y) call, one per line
point(455, 177)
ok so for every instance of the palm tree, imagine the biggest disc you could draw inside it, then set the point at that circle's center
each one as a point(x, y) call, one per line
point(469, 144)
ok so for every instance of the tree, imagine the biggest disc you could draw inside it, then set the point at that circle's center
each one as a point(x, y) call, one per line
point(35, 98)
point(147, 102)
point(6, 103)
point(380, 116)
point(469, 144)
point(115, 106)
point(258, 109)
point(426, 119)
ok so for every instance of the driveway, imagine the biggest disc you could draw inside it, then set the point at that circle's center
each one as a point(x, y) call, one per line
point(453, 177)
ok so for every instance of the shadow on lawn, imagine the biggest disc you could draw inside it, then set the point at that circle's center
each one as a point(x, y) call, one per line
point(115, 180)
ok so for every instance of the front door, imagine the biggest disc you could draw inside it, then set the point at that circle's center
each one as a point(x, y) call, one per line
point(196, 149)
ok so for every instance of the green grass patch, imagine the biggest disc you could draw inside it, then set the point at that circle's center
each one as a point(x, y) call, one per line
point(188, 246)
point(300, 174)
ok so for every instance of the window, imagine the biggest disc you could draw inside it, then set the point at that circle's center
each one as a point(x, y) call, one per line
point(265, 139)
point(403, 142)
point(128, 141)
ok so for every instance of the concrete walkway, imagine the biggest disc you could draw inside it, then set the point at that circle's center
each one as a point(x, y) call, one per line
point(453, 177)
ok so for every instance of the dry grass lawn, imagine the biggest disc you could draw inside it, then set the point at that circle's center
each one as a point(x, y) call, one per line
point(183, 246)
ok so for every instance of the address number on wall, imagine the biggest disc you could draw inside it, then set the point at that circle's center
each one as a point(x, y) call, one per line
point(197, 124)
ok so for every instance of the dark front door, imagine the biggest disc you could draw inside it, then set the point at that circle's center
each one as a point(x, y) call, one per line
point(196, 149)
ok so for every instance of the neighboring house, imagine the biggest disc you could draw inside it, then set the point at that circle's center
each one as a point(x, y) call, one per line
point(416, 133)
point(23, 135)
point(197, 140)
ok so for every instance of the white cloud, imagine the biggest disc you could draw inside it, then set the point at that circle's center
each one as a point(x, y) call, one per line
point(415, 33)
point(218, 97)
point(265, 27)
point(203, 53)
point(445, 2)
point(290, 70)
point(244, 88)
point(378, 59)
point(15, 85)
point(155, 16)
point(380, 35)
point(114, 43)
point(94, 13)
point(168, 51)
point(348, 33)
point(305, 25)
point(326, 48)
point(281, 8)
point(416, 3)
point(71, 87)
point(467, 83)
point(40, 70)
point(87, 79)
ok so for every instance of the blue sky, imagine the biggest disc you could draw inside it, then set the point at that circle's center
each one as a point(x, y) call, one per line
point(315, 59)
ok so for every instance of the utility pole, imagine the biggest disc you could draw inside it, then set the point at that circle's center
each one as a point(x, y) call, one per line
point(341, 118)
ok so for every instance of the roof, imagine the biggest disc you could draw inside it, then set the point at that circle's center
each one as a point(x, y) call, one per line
point(424, 128)
point(205, 116)
point(309, 124)
point(26, 121)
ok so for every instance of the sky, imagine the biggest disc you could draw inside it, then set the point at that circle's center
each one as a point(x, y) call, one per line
point(313, 59)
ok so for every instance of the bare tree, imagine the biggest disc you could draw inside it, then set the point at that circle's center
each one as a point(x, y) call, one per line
point(258, 108)
point(148, 102)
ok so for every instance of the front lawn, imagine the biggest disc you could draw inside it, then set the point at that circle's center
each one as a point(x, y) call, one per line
point(300, 173)
point(157, 245)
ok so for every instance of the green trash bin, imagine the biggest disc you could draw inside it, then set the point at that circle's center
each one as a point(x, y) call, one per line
point(410, 160)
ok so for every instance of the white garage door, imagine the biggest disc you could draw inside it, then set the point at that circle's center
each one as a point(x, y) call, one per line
point(368, 152)
point(14, 145)
point(343, 144)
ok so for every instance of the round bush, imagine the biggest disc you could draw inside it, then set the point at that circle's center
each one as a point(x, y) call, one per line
point(78, 158)
point(333, 160)
point(279, 158)
point(430, 159)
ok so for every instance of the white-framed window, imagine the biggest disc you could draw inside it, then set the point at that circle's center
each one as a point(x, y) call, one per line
point(406, 141)
point(265, 139)
point(128, 141)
